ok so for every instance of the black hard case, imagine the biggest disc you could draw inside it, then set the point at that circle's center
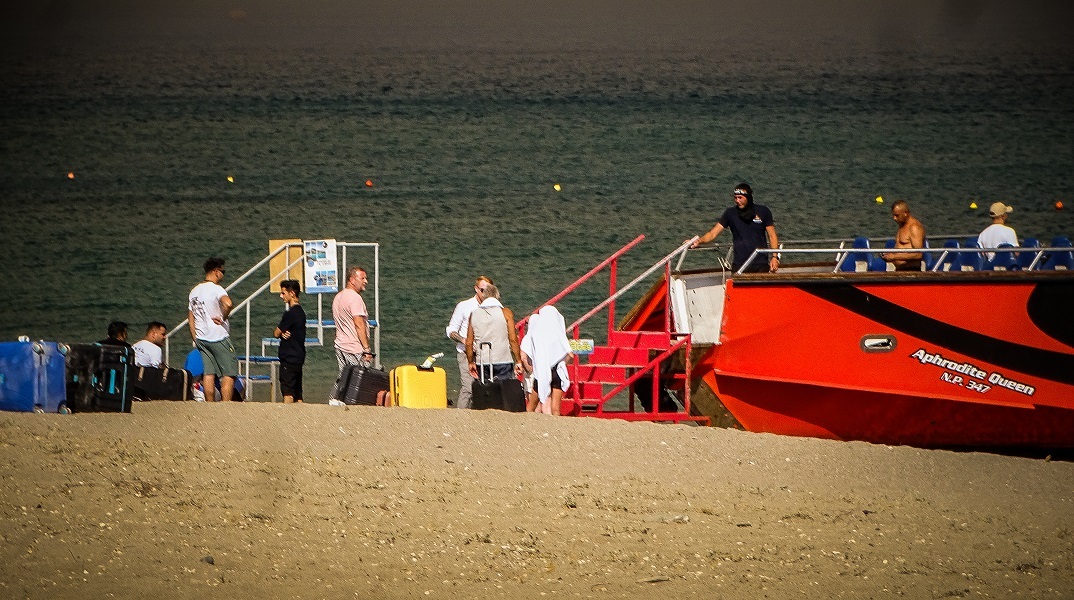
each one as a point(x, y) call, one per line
point(99, 378)
point(362, 384)
point(161, 383)
point(499, 394)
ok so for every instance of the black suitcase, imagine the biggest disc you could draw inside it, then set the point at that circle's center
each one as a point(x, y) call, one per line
point(499, 394)
point(363, 384)
point(99, 378)
point(163, 383)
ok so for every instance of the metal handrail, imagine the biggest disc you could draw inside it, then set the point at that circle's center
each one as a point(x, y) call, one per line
point(245, 303)
point(843, 253)
point(654, 364)
point(240, 279)
point(578, 282)
point(725, 260)
point(667, 259)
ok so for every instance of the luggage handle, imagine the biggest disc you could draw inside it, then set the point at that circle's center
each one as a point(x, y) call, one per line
point(481, 367)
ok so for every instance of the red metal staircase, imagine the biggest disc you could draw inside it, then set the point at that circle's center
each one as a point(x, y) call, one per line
point(632, 364)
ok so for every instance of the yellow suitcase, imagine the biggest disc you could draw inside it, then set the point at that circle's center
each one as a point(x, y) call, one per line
point(416, 388)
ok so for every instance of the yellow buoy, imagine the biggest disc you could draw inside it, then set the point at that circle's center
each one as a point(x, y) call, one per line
point(973, 206)
point(879, 199)
point(557, 187)
point(230, 179)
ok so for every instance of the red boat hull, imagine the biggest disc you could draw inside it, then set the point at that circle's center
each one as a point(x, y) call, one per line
point(927, 361)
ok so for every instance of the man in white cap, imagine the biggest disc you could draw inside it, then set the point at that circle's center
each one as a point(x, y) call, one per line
point(998, 232)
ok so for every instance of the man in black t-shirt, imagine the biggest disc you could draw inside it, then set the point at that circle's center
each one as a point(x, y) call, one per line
point(117, 335)
point(292, 334)
point(752, 227)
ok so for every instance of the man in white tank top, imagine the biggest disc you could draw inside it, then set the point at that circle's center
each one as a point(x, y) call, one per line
point(492, 323)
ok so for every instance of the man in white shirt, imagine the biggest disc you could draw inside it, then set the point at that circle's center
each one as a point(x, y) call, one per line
point(208, 312)
point(998, 232)
point(456, 330)
point(147, 351)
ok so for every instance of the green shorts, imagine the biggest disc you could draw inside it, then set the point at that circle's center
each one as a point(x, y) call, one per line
point(218, 358)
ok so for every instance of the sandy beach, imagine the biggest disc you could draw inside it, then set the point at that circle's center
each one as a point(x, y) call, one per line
point(188, 500)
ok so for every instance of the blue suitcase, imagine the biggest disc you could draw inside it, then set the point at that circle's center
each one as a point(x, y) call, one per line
point(32, 377)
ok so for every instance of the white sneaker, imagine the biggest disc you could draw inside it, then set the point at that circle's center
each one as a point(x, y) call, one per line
point(334, 402)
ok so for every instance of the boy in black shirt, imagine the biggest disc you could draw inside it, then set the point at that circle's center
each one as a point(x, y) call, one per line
point(292, 334)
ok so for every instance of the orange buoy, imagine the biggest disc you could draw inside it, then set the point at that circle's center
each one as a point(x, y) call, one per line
point(1058, 205)
point(368, 183)
point(71, 175)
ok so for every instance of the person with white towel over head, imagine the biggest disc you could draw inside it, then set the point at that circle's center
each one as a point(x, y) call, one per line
point(545, 349)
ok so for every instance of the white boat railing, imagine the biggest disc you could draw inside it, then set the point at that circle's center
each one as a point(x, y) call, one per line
point(938, 259)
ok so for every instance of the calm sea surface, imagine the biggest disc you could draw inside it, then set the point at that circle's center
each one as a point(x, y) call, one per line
point(463, 147)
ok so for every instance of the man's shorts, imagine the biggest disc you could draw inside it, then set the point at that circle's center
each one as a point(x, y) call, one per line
point(291, 380)
point(218, 357)
point(498, 371)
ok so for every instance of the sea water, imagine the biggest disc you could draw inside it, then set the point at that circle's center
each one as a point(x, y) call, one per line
point(124, 168)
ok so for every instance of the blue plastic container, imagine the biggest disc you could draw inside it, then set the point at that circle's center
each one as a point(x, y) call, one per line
point(32, 377)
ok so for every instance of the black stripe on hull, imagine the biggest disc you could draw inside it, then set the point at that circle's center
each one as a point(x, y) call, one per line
point(1055, 366)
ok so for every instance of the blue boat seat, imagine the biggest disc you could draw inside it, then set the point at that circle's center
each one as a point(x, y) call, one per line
point(927, 257)
point(972, 261)
point(953, 261)
point(1025, 259)
point(1003, 261)
point(877, 263)
point(1060, 259)
point(856, 261)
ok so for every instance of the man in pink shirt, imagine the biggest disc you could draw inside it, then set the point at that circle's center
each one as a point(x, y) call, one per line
point(352, 325)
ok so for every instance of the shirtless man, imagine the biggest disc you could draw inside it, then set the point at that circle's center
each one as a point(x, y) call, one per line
point(911, 234)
